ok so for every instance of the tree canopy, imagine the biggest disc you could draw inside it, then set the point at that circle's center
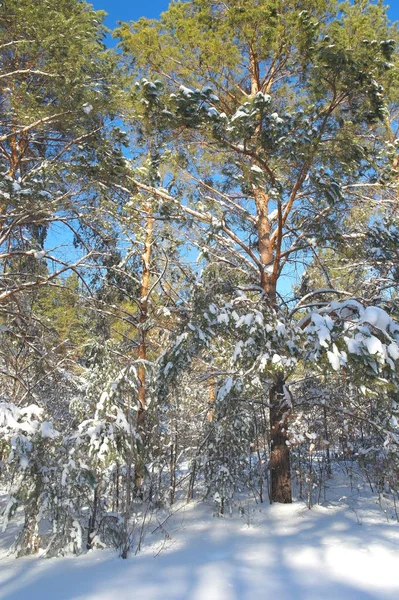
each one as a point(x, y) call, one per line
point(198, 235)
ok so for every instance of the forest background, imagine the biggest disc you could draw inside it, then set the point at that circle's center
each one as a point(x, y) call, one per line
point(199, 246)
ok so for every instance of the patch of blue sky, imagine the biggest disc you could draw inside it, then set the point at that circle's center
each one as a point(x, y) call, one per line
point(131, 10)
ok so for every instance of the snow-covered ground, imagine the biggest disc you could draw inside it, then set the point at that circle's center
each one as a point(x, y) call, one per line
point(348, 549)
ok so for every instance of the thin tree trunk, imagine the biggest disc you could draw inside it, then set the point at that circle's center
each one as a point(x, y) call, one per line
point(260, 463)
point(115, 499)
point(142, 349)
point(191, 482)
point(92, 520)
point(300, 477)
point(327, 439)
point(310, 482)
point(212, 398)
point(173, 451)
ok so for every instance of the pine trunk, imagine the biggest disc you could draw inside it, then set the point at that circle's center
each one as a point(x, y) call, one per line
point(280, 471)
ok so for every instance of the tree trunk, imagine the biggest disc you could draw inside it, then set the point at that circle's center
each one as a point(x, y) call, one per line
point(280, 472)
point(193, 474)
point(327, 439)
point(173, 451)
point(142, 349)
point(212, 398)
point(265, 245)
point(92, 520)
point(30, 534)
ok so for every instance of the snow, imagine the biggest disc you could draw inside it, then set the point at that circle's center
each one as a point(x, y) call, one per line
point(38, 254)
point(31, 410)
point(344, 550)
point(393, 350)
point(352, 345)
point(237, 350)
point(280, 329)
point(239, 114)
point(377, 317)
point(374, 345)
point(212, 112)
point(87, 108)
point(347, 309)
point(246, 320)
point(225, 388)
point(24, 462)
point(276, 118)
point(334, 360)
point(322, 327)
point(362, 326)
point(168, 367)
point(47, 430)
point(186, 91)
point(264, 97)
point(10, 416)
point(269, 268)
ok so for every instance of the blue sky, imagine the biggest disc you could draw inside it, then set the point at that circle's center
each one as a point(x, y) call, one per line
point(131, 10)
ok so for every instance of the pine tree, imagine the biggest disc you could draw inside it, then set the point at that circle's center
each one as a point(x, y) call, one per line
point(273, 114)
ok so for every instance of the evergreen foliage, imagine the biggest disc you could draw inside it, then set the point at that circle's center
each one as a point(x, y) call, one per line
point(260, 140)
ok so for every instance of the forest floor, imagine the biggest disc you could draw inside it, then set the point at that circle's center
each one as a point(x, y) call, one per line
point(347, 548)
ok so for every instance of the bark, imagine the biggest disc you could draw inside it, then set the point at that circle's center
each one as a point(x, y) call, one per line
point(142, 349)
point(193, 474)
point(115, 500)
point(280, 471)
point(30, 538)
point(92, 520)
point(260, 461)
point(212, 398)
point(173, 451)
point(265, 244)
point(14, 157)
point(326, 437)
point(254, 71)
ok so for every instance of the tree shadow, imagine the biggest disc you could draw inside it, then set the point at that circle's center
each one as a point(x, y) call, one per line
point(284, 554)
